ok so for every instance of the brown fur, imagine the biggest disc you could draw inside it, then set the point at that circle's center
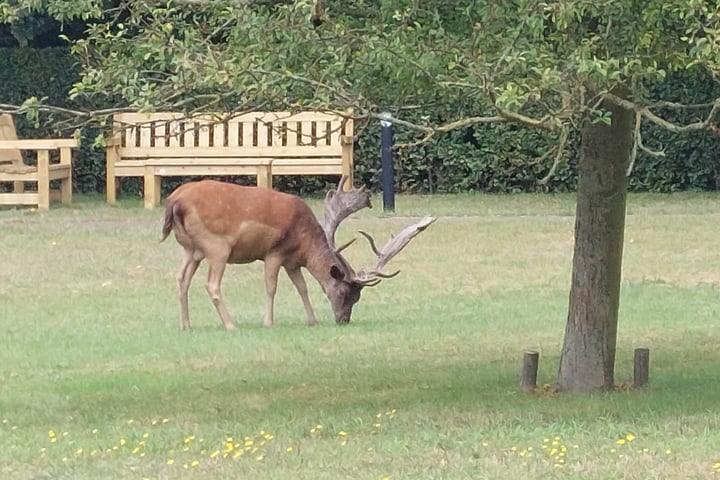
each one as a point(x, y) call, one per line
point(227, 223)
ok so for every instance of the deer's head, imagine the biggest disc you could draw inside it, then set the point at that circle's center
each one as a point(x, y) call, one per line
point(346, 285)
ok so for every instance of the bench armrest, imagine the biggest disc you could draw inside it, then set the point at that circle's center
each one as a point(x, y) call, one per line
point(39, 144)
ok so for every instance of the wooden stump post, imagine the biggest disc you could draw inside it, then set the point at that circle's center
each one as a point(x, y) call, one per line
point(641, 367)
point(528, 375)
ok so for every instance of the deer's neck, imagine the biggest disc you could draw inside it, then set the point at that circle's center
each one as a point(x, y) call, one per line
point(320, 260)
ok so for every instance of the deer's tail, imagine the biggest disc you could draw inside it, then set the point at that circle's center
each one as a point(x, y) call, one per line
point(173, 217)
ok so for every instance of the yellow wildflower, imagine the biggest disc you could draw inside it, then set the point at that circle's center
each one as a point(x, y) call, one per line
point(170, 461)
point(620, 441)
point(629, 437)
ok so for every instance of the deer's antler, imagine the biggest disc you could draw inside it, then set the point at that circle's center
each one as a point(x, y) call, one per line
point(374, 275)
point(339, 204)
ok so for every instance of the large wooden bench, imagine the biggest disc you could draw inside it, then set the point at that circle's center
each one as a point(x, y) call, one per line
point(258, 143)
point(15, 171)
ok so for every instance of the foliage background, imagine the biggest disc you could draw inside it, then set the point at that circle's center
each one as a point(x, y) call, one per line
point(500, 158)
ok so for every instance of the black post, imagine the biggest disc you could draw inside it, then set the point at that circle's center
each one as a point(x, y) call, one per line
point(388, 166)
point(641, 367)
point(528, 374)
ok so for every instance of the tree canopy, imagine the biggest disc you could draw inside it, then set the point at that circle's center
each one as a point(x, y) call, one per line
point(540, 63)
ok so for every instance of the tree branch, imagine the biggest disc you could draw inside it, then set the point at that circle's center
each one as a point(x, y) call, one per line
point(564, 134)
point(670, 126)
point(638, 145)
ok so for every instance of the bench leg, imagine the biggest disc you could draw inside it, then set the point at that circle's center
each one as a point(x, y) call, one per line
point(110, 192)
point(43, 179)
point(264, 176)
point(66, 191)
point(66, 183)
point(151, 190)
point(347, 163)
point(110, 184)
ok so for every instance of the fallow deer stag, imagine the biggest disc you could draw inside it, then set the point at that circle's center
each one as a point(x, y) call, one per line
point(227, 223)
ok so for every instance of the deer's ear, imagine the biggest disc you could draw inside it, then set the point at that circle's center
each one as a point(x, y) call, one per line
point(336, 273)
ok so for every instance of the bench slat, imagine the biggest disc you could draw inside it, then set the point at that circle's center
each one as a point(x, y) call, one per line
point(229, 152)
point(207, 161)
point(191, 170)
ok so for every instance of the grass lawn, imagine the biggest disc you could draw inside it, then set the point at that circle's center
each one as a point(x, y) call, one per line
point(98, 381)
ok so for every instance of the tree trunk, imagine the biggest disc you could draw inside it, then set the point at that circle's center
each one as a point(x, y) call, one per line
point(587, 360)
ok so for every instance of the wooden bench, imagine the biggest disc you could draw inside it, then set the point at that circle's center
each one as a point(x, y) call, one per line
point(13, 169)
point(258, 143)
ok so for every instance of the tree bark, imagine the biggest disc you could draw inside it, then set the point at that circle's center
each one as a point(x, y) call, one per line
point(587, 360)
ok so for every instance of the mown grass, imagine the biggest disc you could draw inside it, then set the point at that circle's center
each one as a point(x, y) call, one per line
point(97, 380)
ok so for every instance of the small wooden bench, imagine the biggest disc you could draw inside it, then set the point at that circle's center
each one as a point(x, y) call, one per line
point(13, 169)
point(258, 143)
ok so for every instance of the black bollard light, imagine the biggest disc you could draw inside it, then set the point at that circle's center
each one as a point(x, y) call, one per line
point(388, 167)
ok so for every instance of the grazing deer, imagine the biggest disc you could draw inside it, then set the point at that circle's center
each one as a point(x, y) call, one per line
point(227, 223)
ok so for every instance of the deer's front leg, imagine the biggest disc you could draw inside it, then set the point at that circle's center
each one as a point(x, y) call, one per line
point(299, 281)
point(272, 268)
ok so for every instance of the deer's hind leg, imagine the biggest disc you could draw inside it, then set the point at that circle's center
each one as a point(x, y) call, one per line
point(188, 269)
point(216, 269)
point(298, 280)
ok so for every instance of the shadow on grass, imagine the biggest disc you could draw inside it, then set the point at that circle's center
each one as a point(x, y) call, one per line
point(247, 393)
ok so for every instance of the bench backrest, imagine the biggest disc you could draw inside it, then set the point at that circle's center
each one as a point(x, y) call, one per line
point(284, 134)
point(7, 132)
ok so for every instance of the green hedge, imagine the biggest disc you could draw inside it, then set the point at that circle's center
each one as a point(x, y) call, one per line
point(495, 158)
point(50, 73)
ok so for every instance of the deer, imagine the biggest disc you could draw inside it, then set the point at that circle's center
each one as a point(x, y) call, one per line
point(225, 223)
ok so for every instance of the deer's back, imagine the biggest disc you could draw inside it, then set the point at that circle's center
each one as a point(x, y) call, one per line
point(244, 223)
